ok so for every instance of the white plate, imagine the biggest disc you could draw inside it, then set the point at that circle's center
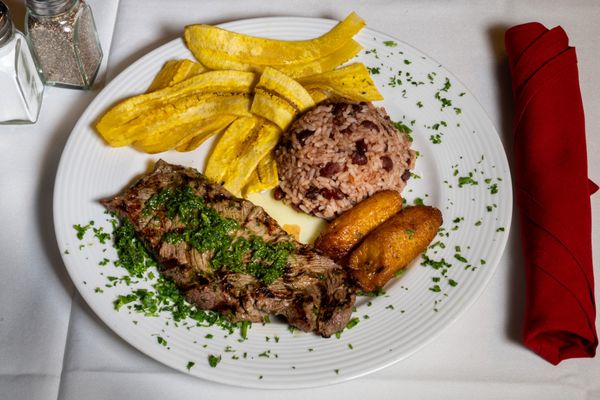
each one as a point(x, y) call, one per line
point(392, 326)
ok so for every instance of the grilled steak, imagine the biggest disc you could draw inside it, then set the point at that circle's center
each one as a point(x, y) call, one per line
point(228, 255)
